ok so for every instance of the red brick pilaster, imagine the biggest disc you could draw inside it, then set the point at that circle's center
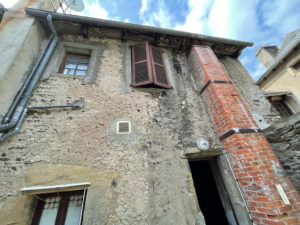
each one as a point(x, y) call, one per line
point(252, 158)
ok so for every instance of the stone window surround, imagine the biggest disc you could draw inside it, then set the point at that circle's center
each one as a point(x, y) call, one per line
point(291, 66)
point(65, 47)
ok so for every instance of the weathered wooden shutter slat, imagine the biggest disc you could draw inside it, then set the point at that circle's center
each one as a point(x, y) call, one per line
point(141, 65)
point(160, 75)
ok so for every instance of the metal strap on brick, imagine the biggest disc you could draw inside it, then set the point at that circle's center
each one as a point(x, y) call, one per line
point(215, 81)
point(239, 131)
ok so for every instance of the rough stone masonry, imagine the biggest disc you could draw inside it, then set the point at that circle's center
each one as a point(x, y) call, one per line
point(142, 177)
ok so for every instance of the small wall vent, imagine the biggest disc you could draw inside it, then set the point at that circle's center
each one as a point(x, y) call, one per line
point(123, 127)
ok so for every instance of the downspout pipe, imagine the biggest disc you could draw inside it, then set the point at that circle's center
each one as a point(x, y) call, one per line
point(17, 127)
point(25, 84)
point(35, 79)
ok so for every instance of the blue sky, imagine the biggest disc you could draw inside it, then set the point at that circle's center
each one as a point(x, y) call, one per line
point(264, 22)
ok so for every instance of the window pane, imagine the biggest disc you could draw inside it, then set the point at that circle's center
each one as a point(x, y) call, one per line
point(80, 72)
point(70, 65)
point(74, 210)
point(69, 72)
point(72, 59)
point(82, 66)
point(297, 66)
point(83, 60)
point(50, 211)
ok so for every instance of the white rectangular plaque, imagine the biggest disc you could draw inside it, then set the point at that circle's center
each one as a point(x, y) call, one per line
point(282, 194)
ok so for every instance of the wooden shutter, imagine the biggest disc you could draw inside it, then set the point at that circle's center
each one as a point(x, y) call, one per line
point(141, 65)
point(159, 68)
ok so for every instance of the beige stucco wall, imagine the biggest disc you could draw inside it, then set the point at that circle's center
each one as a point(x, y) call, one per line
point(21, 39)
point(265, 57)
point(284, 78)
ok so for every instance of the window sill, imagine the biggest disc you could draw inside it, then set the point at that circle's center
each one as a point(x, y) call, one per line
point(70, 76)
point(154, 91)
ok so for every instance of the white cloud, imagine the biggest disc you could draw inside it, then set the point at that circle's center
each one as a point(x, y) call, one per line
point(9, 3)
point(159, 16)
point(226, 19)
point(93, 9)
point(145, 5)
point(197, 18)
point(262, 22)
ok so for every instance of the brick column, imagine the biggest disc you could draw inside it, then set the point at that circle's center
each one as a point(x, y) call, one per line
point(254, 163)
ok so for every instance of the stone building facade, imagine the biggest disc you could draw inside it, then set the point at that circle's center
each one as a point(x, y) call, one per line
point(98, 148)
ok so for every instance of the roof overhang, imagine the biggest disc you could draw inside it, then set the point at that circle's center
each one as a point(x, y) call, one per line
point(276, 93)
point(164, 37)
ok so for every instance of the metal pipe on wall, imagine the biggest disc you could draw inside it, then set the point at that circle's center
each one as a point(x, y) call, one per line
point(17, 127)
point(76, 105)
point(237, 184)
point(25, 84)
point(33, 82)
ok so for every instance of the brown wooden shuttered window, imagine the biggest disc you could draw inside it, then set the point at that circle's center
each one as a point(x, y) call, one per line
point(141, 65)
point(148, 66)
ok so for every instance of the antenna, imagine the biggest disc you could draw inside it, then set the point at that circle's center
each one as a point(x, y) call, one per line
point(76, 5)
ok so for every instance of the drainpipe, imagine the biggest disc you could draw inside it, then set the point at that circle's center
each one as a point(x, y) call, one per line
point(25, 84)
point(17, 127)
point(33, 82)
point(237, 185)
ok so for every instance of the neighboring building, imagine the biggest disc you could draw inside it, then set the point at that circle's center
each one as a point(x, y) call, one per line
point(106, 122)
point(281, 86)
point(281, 81)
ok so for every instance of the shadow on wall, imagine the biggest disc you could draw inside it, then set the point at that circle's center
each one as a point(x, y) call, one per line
point(284, 138)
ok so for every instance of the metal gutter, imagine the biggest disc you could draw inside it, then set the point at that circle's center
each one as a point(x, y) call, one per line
point(142, 28)
point(279, 58)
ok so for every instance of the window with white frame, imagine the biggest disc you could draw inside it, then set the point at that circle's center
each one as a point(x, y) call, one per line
point(59, 208)
point(61, 204)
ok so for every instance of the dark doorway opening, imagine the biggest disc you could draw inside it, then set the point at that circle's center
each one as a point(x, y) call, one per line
point(207, 193)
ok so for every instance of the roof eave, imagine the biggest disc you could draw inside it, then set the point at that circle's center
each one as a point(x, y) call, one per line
point(129, 26)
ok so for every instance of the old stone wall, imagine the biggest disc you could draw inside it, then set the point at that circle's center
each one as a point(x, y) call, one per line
point(284, 138)
point(138, 178)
